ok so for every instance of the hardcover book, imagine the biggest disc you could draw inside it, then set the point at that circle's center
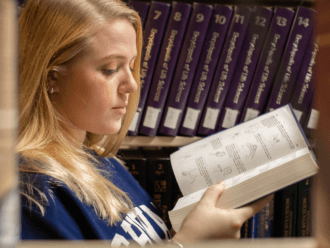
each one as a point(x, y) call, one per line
point(224, 71)
point(286, 212)
point(293, 55)
point(246, 229)
point(305, 84)
point(208, 61)
point(136, 164)
point(244, 71)
point(269, 59)
point(303, 226)
point(262, 224)
point(165, 68)
point(160, 180)
point(152, 38)
point(254, 159)
point(185, 69)
point(140, 7)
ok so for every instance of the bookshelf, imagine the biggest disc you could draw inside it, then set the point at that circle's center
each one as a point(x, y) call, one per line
point(182, 140)
point(322, 188)
point(288, 3)
point(177, 141)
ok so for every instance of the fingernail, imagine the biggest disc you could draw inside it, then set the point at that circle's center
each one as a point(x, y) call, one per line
point(222, 184)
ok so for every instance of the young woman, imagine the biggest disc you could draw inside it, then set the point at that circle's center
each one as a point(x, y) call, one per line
point(79, 86)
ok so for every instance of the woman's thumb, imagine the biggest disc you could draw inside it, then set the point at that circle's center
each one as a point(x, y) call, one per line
point(213, 193)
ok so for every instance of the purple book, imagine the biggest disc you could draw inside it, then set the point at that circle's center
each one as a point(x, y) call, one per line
point(292, 58)
point(208, 60)
point(269, 58)
point(152, 39)
point(250, 52)
point(165, 68)
point(185, 69)
point(305, 84)
point(225, 70)
point(140, 7)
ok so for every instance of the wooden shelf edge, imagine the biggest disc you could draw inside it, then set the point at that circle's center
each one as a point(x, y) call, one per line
point(167, 141)
point(161, 141)
point(247, 243)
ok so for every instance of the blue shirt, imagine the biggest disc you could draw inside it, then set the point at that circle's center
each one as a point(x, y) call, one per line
point(66, 217)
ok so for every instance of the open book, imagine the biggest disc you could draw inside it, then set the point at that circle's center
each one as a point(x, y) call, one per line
point(255, 158)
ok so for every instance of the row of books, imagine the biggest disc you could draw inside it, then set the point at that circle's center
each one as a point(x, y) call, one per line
point(153, 171)
point(288, 215)
point(207, 68)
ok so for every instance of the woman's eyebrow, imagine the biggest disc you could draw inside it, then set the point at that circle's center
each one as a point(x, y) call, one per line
point(116, 56)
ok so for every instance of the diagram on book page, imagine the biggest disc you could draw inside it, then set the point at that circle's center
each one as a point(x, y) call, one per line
point(218, 154)
point(225, 171)
point(190, 175)
point(185, 158)
point(274, 139)
point(251, 149)
point(252, 129)
point(236, 136)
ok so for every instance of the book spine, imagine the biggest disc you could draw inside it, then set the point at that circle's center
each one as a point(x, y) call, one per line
point(185, 70)
point(267, 65)
point(176, 192)
point(225, 70)
point(304, 209)
point(136, 163)
point(305, 86)
point(240, 85)
point(246, 229)
point(160, 182)
point(292, 58)
point(153, 34)
point(262, 223)
point(165, 68)
point(285, 211)
point(208, 60)
point(140, 7)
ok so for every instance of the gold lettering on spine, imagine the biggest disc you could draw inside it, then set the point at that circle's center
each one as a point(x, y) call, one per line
point(167, 58)
point(245, 72)
point(205, 72)
point(266, 71)
point(186, 69)
point(150, 44)
point(287, 75)
point(170, 45)
point(309, 73)
point(144, 68)
point(225, 71)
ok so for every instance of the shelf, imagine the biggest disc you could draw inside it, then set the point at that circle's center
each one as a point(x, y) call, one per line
point(162, 141)
point(167, 141)
point(256, 243)
point(283, 3)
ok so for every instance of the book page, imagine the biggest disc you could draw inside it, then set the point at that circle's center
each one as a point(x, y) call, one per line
point(236, 150)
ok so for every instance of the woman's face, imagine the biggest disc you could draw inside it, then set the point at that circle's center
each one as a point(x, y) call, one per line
point(93, 93)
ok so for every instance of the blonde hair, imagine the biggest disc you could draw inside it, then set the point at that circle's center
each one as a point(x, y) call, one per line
point(52, 33)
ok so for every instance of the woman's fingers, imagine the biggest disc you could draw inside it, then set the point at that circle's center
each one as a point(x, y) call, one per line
point(250, 210)
point(212, 194)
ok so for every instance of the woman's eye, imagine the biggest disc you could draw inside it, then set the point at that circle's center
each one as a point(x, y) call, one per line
point(108, 72)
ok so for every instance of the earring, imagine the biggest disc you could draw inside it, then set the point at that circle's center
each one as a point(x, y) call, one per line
point(52, 90)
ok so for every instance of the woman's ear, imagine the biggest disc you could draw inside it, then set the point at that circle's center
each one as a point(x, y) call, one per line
point(52, 82)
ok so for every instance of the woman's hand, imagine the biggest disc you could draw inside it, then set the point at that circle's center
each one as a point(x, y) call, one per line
point(206, 221)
